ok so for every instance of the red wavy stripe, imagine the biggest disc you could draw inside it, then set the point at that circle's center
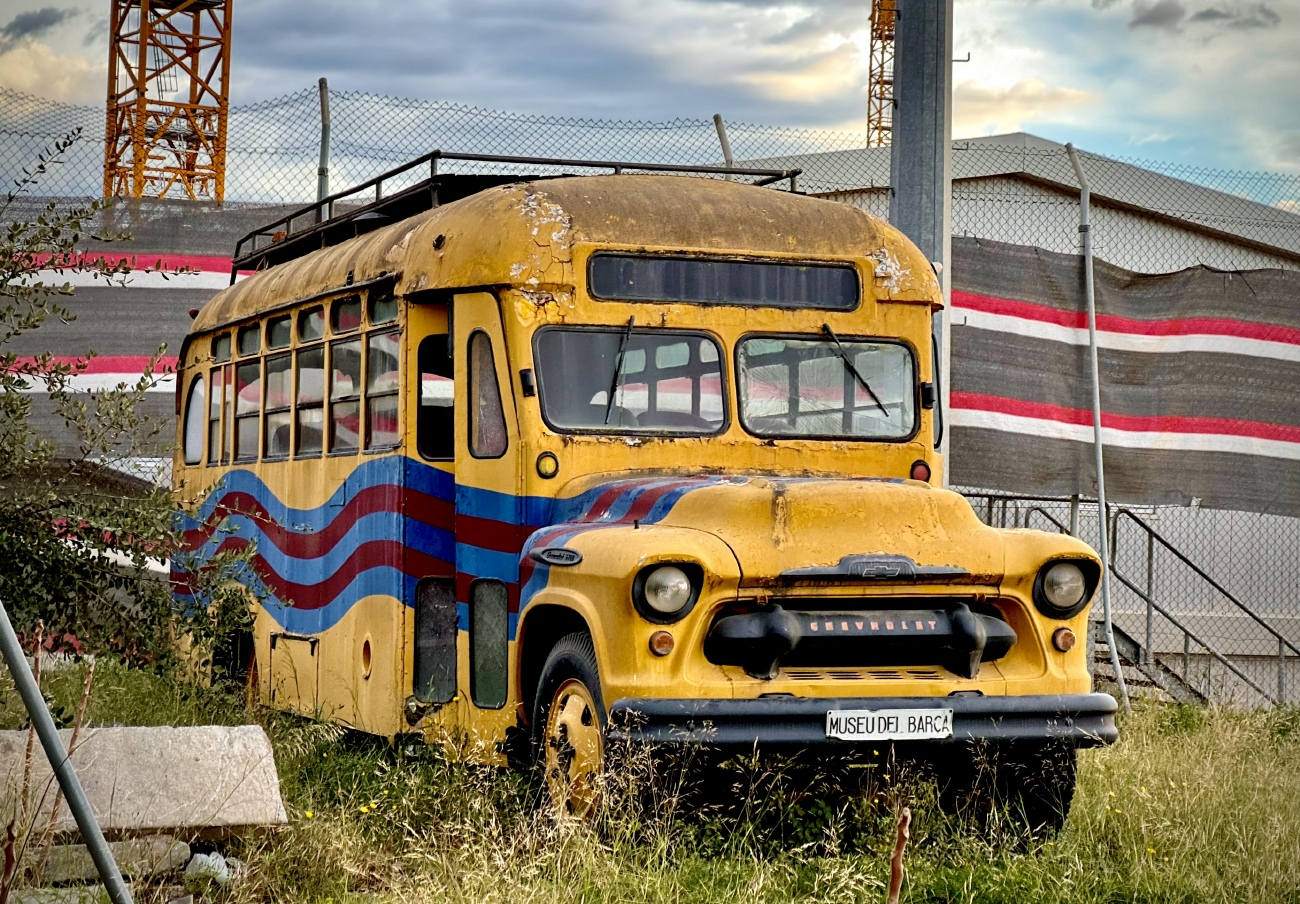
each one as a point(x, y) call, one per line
point(431, 510)
point(1215, 426)
point(369, 555)
point(487, 533)
point(1111, 323)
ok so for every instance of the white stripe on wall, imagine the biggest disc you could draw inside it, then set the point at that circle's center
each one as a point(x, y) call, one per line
point(82, 279)
point(1127, 342)
point(1127, 439)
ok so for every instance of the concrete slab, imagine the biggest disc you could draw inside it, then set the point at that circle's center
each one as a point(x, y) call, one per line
point(134, 856)
point(156, 779)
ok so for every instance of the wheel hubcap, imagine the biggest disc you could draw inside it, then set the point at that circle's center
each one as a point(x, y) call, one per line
point(574, 749)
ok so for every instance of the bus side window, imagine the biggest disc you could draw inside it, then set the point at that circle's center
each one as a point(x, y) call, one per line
point(435, 640)
point(382, 386)
point(487, 420)
point(488, 643)
point(345, 395)
point(220, 377)
point(248, 409)
point(279, 396)
point(435, 429)
point(311, 400)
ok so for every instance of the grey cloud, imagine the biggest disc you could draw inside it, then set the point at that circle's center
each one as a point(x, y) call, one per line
point(33, 24)
point(1165, 14)
point(1260, 16)
point(1103, 4)
point(587, 57)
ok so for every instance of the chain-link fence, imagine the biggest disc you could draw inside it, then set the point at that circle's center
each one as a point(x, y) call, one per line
point(1148, 216)
point(1206, 603)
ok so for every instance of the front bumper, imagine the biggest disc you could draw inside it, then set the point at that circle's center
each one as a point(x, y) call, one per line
point(1085, 720)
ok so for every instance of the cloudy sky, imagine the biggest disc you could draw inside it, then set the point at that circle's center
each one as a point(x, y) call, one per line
point(1209, 82)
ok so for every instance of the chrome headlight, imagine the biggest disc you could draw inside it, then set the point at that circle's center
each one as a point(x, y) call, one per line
point(665, 593)
point(1062, 589)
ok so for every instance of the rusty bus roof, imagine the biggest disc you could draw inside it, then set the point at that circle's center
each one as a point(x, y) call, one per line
point(524, 233)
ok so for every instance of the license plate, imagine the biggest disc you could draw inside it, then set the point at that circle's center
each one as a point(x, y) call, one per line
point(889, 724)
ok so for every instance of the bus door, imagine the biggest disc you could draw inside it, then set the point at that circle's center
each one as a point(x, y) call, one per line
point(430, 510)
point(488, 504)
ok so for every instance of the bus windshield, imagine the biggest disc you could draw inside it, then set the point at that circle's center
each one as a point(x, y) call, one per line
point(826, 387)
point(669, 381)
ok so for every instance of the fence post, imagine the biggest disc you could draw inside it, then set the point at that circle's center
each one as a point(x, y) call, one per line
point(60, 763)
point(1281, 672)
point(323, 168)
point(1151, 552)
point(1074, 514)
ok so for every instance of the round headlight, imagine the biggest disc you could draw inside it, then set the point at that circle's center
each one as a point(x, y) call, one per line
point(667, 589)
point(1064, 585)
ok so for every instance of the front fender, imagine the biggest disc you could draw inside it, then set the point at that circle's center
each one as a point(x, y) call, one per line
point(599, 588)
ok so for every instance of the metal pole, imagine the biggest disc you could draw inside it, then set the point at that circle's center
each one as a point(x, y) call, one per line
point(1085, 230)
point(1151, 580)
point(920, 167)
point(722, 139)
point(14, 657)
point(1074, 515)
point(323, 170)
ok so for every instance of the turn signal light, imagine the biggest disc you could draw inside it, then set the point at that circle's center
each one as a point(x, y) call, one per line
point(661, 643)
point(1064, 640)
point(920, 471)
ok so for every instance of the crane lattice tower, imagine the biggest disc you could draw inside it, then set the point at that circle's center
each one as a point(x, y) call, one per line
point(880, 79)
point(168, 99)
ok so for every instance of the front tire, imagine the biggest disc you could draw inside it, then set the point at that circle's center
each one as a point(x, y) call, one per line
point(1032, 783)
point(569, 727)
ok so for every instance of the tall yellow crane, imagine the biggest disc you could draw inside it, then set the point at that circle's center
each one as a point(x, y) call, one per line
point(168, 99)
point(880, 76)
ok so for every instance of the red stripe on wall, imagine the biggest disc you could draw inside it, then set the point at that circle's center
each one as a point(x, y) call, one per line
point(1217, 426)
point(1110, 323)
point(208, 263)
point(124, 365)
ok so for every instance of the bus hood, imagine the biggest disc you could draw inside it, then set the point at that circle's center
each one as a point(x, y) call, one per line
point(790, 530)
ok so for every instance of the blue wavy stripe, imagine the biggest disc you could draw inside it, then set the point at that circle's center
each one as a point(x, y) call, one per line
point(395, 470)
point(422, 537)
point(379, 581)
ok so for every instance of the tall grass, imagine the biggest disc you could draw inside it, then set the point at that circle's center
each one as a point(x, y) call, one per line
point(1192, 805)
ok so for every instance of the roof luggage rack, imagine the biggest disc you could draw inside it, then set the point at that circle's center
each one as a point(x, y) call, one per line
point(319, 225)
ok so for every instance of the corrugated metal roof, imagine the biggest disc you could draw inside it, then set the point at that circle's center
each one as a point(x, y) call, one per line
point(1030, 157)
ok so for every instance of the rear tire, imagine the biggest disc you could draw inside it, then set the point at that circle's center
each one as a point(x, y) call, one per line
point(569, 727)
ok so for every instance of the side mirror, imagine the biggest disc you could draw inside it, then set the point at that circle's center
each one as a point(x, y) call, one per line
point(929, 395)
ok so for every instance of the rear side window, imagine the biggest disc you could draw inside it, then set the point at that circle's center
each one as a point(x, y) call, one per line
point(487, 421)
point(195, 421)
point(773, 284)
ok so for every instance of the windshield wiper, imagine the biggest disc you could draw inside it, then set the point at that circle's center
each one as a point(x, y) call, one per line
point(844, 356)
point(618, 369)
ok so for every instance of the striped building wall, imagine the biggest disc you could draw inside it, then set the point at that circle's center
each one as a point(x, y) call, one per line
point(1195, 364)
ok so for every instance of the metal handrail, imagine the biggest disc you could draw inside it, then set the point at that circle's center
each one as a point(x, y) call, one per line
point(1152, 532)
point(1187, 632)
point(1041, 511)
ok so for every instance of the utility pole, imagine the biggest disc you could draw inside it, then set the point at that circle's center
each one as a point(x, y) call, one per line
point(920, 202)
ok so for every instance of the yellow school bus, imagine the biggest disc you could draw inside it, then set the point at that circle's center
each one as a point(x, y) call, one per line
point(635, 455)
